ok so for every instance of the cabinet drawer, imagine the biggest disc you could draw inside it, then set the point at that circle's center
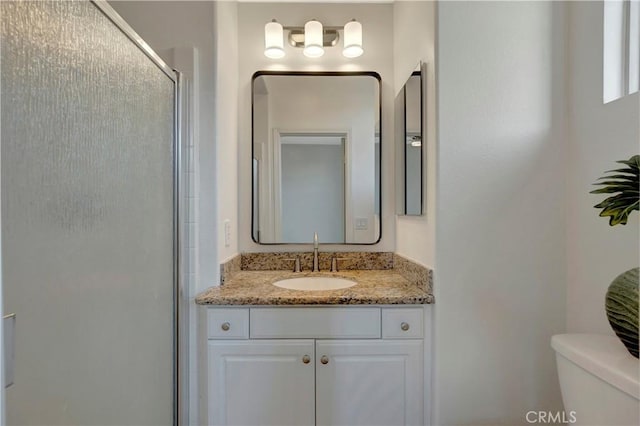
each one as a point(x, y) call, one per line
point(405, 323)
point(318, 323)
point(228, 323)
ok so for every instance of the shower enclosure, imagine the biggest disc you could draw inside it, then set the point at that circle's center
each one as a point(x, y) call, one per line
point(89, 175)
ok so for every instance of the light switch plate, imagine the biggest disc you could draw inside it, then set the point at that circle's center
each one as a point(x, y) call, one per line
point(362, 223)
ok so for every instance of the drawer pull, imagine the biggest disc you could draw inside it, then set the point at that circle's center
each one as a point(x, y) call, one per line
point(404, 326)
point(306, 359)
point(225, 326)
point(324, 359)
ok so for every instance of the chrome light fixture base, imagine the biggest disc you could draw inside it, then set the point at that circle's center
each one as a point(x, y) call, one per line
point(330, 38)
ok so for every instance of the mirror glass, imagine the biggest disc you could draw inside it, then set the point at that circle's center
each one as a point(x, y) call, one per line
point(316, 157)
point(409, 146)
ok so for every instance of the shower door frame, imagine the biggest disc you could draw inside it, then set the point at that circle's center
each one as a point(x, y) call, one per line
point(180, 395)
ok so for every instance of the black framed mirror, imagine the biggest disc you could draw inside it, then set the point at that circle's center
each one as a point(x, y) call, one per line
point(316, 157)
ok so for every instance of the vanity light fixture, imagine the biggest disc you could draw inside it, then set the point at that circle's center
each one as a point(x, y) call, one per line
point(313, 38)
point(353, 39)
point(273, 44)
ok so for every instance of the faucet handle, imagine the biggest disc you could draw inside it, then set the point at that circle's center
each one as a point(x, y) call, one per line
point(296, 264)
point(334, 263)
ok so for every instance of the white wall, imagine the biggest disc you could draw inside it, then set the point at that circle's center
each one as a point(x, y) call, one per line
point(600, 135)
point(226, 51)
point(501, 246)
point(377, 22)
point(414, 41)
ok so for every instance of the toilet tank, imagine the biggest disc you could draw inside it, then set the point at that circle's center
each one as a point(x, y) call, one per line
point(599, 379)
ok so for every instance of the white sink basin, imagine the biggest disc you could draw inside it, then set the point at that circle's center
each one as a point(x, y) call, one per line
point(315, 283)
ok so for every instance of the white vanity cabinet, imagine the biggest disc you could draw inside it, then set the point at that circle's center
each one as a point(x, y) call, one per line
point(369, 382)
point(316, 366)
point(261, 382)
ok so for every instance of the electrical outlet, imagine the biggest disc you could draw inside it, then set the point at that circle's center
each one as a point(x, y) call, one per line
point(362, 223)
point(227, 233)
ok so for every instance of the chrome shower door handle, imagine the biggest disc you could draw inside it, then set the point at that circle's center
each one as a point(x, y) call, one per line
point(9, 327)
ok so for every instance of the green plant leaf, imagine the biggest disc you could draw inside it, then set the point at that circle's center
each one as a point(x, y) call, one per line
point(635, 206)
point(616, 202)
point(611, 189)
point(633, 161)
point(628, 177)
point(625, 170)
point(618, 184)
point(625, 184)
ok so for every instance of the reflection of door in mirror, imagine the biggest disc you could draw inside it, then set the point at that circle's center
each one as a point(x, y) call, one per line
point(311, 193)
point(413, 145)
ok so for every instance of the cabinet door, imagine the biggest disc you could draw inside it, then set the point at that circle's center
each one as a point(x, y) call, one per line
point(369, 382)
point(261, 382)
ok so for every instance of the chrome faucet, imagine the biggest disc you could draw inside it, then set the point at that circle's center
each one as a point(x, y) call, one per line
point(296, 263)
point(316, 268)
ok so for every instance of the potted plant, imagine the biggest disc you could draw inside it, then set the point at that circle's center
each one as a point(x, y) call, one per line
point(621, 302)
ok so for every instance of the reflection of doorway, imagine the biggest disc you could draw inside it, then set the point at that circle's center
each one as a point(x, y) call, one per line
point(413, 174)
point(310, 190)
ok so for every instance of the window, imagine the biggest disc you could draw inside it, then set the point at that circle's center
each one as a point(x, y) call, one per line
point(621, 44)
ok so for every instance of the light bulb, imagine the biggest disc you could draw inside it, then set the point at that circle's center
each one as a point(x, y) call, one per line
point(313, 39)
point(273, 40)
point(353, 39)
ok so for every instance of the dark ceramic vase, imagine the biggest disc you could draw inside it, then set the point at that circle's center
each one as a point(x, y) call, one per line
point(622, 309)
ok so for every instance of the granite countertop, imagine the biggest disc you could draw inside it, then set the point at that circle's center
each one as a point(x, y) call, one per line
point(375, 287)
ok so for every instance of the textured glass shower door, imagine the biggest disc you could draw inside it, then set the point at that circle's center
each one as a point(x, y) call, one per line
point(88, 219)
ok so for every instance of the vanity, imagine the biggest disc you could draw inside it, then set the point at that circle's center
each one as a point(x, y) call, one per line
point(351, 356)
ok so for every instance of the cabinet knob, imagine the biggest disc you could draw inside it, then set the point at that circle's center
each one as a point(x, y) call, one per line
point(324, 359)
point(225, 326)
point(306, 359)
point(404, 326)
